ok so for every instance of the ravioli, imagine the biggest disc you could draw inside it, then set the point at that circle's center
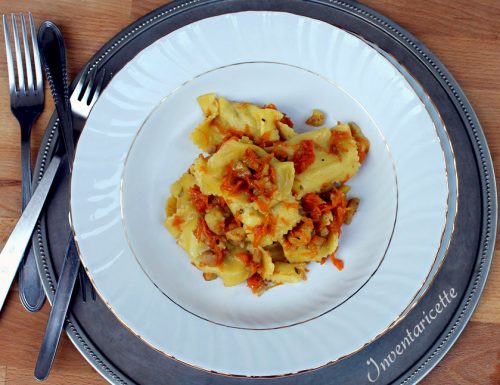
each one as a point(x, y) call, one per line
point(264, 201)
point(225, 119)
point(334, 158)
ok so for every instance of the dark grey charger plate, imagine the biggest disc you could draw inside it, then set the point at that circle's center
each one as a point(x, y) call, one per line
point(123, 358)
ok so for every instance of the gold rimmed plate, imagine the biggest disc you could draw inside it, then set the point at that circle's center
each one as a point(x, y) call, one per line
point(136, 143)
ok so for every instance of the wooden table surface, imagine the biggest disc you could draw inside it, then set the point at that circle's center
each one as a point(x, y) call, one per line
point(464, 35)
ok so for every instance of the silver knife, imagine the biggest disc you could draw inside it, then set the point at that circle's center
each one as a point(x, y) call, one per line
point(53, 51)
point(14, 249)
point(58, 312)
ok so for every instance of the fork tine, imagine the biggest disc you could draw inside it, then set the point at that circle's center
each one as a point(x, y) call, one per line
point(10, 60)
point(92, 291)
point(90, 84)
point(81, 280)
point(78, 88)
point(98, 87)
point(19, 58)
point(36, 55)
point(27, 56)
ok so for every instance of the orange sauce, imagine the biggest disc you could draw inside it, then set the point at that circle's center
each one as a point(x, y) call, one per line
point(285, 119)
point(244, 257)
point(280, 154)
point(335, 143)
point(232, 183)
point(304, 156)
point(267, 227)
point(315, 206)
point(263, 206)
point(231, 134)
point(203, 234)
point(338, 263)
point(247, 259)
point(200, 200)
point(177, 221)
point(255, 282)
point(291, 205)
point(251, 183)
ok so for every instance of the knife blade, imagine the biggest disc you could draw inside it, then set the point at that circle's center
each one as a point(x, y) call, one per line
point(14, 248)
point(58, 312)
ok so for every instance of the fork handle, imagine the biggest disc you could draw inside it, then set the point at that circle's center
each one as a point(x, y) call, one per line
point(31, 292)
point(25, 169)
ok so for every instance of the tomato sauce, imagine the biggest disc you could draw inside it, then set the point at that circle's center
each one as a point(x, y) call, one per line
point(255, 282)
point(336, 145)
point(203, 234)
point(304, 156)
point(200, 200)
point(177, 221)
point(338, 263)
point(333, 204)
point(267, 227)
point(285, 119)
point(258, 182)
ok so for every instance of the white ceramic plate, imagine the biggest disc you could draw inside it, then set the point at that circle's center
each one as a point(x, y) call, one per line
point(135, 144)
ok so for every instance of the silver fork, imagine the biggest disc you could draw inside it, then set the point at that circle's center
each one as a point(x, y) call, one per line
point(26, 103)
point(85, 94)
point(83, 98)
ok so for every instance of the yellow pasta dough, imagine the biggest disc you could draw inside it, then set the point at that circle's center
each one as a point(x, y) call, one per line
point(264, 201)
point(223, 118)
point(328, 167)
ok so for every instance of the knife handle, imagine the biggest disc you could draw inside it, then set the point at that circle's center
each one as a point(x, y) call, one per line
point(58, 312)
point(14, 248)
point(53, 53)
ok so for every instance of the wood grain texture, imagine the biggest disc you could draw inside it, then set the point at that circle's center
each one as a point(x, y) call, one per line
point(464, 35)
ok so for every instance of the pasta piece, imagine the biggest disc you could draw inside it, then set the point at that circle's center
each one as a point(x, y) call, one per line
point(232, 272)
point(179, 207)
point(285, 174)
point(334, 158)
point(215, 220)
point(267, 265)
point(316, 119)
point(362, 143)
point(225, 119)
point(210, 174)
point(188, 241)
point(288, 272)
point(204, 136)
point(187, 220)
point(264, 229)
point(276, 252)
point(316, 236)
point(309, 253)
point(286, 132)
